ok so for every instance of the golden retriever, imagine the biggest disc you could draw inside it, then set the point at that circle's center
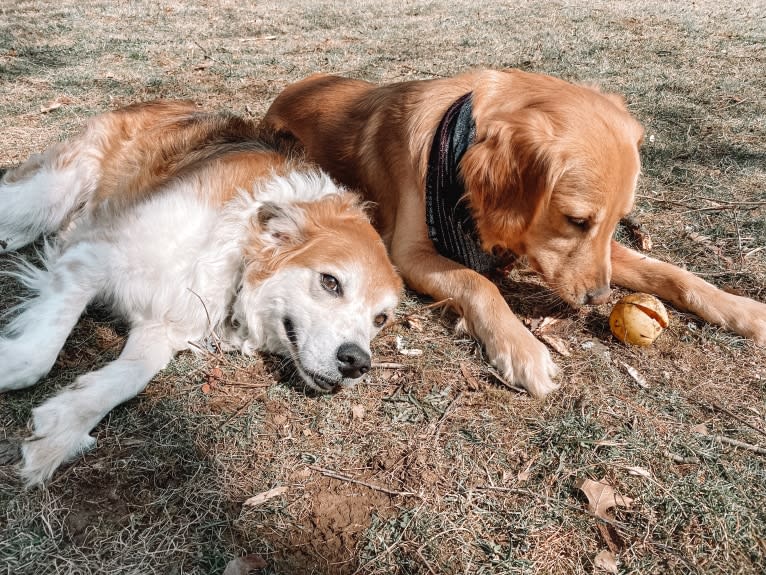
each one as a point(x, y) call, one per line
point(513, 162)
point(196, 230)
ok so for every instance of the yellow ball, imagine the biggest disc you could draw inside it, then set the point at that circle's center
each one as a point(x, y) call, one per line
point(638, 319)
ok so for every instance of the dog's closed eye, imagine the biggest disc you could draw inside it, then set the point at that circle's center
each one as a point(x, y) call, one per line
point(580, 223)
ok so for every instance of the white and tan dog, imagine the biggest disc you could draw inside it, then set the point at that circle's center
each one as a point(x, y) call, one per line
point(191, 227)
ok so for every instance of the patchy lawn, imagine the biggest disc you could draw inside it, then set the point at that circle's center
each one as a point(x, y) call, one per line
point(431, 465)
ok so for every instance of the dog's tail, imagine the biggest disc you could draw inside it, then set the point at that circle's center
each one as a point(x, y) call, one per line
point(39, 196)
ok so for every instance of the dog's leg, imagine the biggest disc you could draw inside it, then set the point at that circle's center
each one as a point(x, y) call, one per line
point(37, 334)
point(40, 194)
point(62, 424)
point(519, 356)
point(686, 291)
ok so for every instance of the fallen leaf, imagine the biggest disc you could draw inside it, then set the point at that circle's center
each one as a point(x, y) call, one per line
point(637, 377)
point(473, 383)
point(279, 419)
point(358, 411)
point(413, 322)
point(701, 429)
point(524, 475)
point(56, 104)
point(546, 323)
point(640, 471)
point(606, 561)
point(556, 343)
point(601, 497)
point(640, 236)
point(206, 388)
point(265, 496)
point(244, 565)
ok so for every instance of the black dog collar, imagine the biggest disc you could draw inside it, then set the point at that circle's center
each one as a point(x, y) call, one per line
point(448, 215)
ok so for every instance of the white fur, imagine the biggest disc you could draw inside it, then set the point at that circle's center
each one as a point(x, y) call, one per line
point(173, 266)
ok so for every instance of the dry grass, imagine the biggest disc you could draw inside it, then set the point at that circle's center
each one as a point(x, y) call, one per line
point(163, 490)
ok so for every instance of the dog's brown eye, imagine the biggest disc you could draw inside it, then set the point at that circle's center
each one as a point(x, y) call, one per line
point(380, 320)
point(330, 283)
point(581, 223)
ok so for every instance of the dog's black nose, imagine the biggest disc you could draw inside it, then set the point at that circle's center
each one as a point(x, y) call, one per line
point(598, 296)
point(353, 361)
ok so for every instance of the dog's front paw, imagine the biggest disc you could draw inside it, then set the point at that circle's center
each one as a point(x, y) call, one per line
point(525, 361)
point(20, 367)
point(57, 438)
point(752, 321)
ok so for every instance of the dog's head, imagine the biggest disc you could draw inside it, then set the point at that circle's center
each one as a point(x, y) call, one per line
point(318, 284)
point(551, 172)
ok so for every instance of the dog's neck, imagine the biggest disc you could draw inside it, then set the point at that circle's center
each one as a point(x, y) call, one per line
point(451, 226)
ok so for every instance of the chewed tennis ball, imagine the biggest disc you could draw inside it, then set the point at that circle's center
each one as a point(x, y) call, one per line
point(638, 319)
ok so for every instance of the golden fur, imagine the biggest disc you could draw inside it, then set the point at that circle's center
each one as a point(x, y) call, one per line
point(552, 170)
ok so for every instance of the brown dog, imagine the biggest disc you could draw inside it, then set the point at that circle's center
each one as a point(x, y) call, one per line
point(491, 162)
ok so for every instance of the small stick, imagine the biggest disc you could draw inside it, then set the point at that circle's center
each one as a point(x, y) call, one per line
point(444, 415)
point(236, 413)
point(679, 458)
point(341, 477)
point(737, 443)
point(715, 407)
point(388, 365)
point(439, 303)
point(493, 372)
point(426, 563)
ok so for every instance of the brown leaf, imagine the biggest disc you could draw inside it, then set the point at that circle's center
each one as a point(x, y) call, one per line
point(636, 375)
point(640, 236)
point(265, 496)
point(601, 497)
point(279, 419)
point(556, 343)
point(606, 561)
point(358, 411)
point(56, 104)
point(546, 323)
point(700, 428)
point(244, 565)
point(473, 383)
point(413, 322)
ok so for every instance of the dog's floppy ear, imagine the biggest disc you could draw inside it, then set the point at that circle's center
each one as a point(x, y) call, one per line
point(280, 224)
point(510, 169)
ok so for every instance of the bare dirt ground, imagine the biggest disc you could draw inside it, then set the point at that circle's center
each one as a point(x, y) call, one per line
point(431, 465)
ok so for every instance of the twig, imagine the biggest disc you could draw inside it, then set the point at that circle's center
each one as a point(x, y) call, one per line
point(680, 458)
point(444, 415)
point(207, 54)
point(737, 443)
point(426, 563)
point(235, 414)
point(389, 365)
point(493, 372)
point(739, 240)
point(715, 407)
point(439, 303)
point(341, 477)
